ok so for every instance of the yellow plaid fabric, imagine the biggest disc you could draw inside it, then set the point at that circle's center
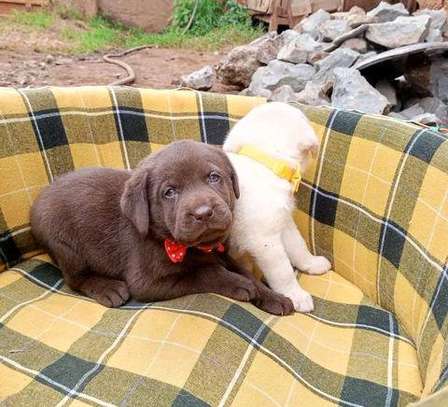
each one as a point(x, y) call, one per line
point(375, 202)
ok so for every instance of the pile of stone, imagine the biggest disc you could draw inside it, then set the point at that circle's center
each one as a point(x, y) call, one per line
point(320, 62)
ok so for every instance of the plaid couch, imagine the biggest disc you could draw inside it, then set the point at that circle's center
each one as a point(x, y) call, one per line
point(375, 202)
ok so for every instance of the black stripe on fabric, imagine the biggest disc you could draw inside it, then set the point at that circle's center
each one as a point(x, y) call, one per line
point(186, 399)
point(46, 273)
point(365, 393)
point(443, 380)
point(426, 146)
point(130, 111)
point(325, 207)
point(346, 122)
point(213, 123)
point(69, 371)
point(378, 318)
point(51, 128)
point(393, 242)
point(9, 252)
point(245, 322)
point(439, 302)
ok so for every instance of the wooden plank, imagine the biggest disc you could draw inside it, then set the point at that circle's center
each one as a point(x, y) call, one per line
point(26, 2)
point(401, 52)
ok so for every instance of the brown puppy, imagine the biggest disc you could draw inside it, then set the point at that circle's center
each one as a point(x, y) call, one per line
point(152, 233)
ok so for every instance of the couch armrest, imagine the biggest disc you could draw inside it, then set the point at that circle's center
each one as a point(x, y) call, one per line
point(376, 203)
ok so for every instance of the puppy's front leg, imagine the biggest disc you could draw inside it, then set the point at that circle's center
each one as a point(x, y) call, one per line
point(273, 260)
point(298, 252)
point(205, 279)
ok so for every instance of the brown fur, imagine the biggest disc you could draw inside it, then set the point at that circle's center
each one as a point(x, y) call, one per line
point(105, 229)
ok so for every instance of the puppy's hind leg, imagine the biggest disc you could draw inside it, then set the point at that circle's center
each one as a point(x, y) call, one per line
point(273, 260)
point(106, 291)
point(298, 252)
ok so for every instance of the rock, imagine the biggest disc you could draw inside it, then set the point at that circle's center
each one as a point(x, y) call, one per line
point(429, 76)
point(63, 61)
point(298, 50)
point(412, 111)
point(203, 79)
point(386, 12)
point(312, 95)
point(314, 57)
point(435, 106)
point(396, 115)
point(356, 44)
point(264, 93)
point(312, 23)
point(267, 47)
point(283, 94)
point(434, 36)
point(342, 57)
point(352, 91)
point(239, 65)
point(387, 90)
point(365, 56)
point(278, 73)
point(357, 16)
point(428, 119)
point(287, 36)
point(438, 18)
point(49, 59)
point(151, 16)
point(400, 32)
point(332, 29)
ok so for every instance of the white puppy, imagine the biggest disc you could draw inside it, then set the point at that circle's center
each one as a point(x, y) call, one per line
point(269, 148)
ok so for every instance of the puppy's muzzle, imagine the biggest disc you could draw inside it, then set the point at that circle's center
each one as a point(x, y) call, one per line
point(202, 213)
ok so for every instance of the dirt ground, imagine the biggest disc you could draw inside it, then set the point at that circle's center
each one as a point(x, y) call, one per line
point(156, 68)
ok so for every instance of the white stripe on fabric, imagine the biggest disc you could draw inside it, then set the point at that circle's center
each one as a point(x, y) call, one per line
point(109, 112)
point(39, 135)
point(390, 363)
point(389, 210)
point(50, 290)
point(14, 233)
point(201, 112)
point(243, 362)
point(319, 174)
point(120, 127)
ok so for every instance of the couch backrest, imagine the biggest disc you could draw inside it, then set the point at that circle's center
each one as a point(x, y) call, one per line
point(375, 202)
point(50, 131)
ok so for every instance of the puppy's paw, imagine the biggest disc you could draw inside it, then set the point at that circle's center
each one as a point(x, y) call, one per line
point(274, 303)
point(244, 290)
point(110, 293)
point(302, 301)
point(318, 265)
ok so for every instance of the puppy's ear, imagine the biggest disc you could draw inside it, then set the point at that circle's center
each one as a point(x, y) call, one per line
point(235, 183)
point(134, 201)
point(233, 177)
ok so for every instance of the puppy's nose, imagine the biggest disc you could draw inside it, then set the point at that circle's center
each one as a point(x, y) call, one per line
point(202, 213)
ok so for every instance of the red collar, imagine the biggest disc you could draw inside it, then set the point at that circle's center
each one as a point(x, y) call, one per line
point(176, 251)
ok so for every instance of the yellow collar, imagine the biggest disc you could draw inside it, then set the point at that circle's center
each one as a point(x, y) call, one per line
point(279, 167)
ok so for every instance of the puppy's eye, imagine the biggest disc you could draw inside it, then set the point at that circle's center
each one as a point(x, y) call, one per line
point(214, 177)
point(170, 193)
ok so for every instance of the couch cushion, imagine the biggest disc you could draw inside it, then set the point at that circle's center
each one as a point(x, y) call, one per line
point(203, 349)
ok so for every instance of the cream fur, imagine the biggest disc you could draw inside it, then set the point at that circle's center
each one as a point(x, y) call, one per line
point(263, 225)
